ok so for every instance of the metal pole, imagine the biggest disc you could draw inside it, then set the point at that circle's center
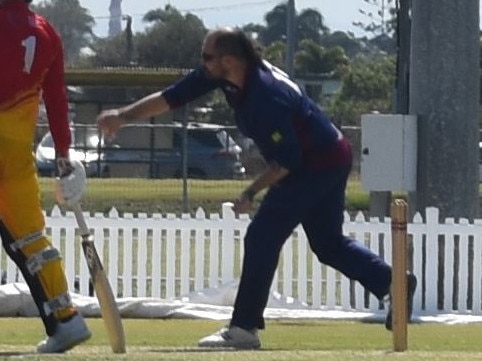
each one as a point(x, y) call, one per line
point(185, 194)
point(290, 37)
point(129, 47)
point(403, 56)
point(380, 201)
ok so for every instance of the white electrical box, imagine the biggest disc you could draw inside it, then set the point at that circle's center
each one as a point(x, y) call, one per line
point(389, 152)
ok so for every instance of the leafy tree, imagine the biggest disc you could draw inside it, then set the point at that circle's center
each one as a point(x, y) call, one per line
point(275, 54)
point(309, 25)
point(73, 22)
point(173, 40)
point(384, 43)
point(347, 41)
point(366, 88)
point(275, 29)
point(312, 58)
point(110, 51)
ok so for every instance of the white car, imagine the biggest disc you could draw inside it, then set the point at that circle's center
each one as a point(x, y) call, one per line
point(85, 148)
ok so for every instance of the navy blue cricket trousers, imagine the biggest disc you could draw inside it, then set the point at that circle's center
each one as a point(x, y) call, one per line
point(316, 200)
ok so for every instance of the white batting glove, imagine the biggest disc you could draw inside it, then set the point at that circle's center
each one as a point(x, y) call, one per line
point(71, 183)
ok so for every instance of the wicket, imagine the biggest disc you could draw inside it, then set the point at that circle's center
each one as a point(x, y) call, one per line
point(399, 274)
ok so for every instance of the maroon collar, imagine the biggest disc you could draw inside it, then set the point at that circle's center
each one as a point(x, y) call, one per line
point(17, 4)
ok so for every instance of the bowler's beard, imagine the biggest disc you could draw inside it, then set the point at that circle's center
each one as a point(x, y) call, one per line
point(212, 76)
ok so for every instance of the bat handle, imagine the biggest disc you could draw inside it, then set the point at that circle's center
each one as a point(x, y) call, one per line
point(79, 216)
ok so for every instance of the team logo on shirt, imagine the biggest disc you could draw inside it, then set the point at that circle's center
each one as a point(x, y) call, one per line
point(276, 136)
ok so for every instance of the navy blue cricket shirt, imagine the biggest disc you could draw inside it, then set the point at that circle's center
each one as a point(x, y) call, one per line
point(286, 125)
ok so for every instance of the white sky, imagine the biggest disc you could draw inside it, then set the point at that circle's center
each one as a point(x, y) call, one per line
point(338, 14)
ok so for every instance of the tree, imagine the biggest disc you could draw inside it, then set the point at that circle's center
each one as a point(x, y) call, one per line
point(381, 24)
point(173, 40)
point(110, 51)
point(73, 22)
point(346, 41)
point(309, 25)
point(366, 88)
point(312, 58)
point(313, 61)
point(381, 21)
point(275, 53)
point(115, 50)
point(275, 29)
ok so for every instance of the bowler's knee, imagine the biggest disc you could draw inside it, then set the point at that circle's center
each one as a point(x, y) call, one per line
point(328, 250)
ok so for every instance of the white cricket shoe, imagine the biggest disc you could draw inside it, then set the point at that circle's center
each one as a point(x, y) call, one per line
point(67, 335)
point(232, 336)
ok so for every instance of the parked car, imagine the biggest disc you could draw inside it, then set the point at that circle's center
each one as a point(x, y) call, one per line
point(211, 154)
point(85, 147)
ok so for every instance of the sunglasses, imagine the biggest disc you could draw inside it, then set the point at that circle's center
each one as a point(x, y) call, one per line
point(207, 57)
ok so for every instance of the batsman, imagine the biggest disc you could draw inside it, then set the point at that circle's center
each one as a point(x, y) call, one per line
point(31, 65)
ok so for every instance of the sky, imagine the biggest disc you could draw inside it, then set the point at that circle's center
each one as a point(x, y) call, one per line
point(338, 14)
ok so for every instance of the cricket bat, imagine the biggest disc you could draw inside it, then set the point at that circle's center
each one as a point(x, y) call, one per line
point(103, 290)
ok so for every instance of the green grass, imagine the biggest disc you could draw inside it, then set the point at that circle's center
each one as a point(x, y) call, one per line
point(166, 195)
point(283, 340)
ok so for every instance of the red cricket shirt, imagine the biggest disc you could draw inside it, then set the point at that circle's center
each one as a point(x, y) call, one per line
point(31, 65)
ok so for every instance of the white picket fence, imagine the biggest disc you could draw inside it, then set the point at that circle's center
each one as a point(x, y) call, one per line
point(169, 257)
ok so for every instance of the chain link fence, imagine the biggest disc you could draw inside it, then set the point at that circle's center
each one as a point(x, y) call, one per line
point(176, 162)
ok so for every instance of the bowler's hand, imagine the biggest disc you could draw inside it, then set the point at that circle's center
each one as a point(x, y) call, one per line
point(109, 122)
point(243, 203)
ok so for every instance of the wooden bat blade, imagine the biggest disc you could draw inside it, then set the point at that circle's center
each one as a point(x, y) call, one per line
point(103, 290)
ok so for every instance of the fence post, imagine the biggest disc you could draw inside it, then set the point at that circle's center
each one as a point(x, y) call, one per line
point(431, 266)
point(399, 274)
point(228, 242)
point(199, 251)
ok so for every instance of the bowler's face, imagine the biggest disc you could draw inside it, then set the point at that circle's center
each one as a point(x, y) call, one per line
point(212, 61)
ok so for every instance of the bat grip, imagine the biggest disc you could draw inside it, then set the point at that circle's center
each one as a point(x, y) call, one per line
point(79, 216)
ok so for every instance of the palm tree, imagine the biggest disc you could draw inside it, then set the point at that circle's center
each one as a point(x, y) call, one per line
point(312, 58)
point(314, 62)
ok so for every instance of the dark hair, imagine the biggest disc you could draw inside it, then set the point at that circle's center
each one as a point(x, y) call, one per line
point(28, 1)
point(237, 44)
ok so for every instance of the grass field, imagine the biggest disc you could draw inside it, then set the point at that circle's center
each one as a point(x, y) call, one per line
point(166, 195)
point(283, 340)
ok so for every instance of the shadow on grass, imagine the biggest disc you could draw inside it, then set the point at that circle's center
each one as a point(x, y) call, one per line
point(195, 349)
point(16, 354)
